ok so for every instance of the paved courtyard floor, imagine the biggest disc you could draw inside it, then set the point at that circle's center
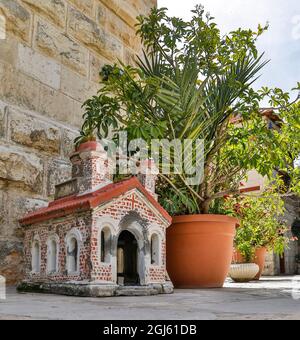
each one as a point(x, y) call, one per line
point(271, 298)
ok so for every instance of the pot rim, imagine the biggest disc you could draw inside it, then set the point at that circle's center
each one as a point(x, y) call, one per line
point(89, 145)
point(205, 218)
point(244, 264)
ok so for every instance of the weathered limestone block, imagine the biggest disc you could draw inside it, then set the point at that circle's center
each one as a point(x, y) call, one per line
point(133, 5)
point(56, 105)
point(26, 169)
point(130, 56)
point(68, 142)
point(39, 67)
point(12, 207)
point(2, 28)
point(53, 10)
point(58, 172)
point(58, 45)
point(18, 19)
point(77, 114)
point(85, 6)
point(96, 65)
point(2, 119)
point(77, 87)
point(18, 206)
point(114, 49)
point(18, 88)
point(9, 50)
point(86, 30)
point(3, 213)
point(121, 8)
point(28, 130)
point(114, 24)
point(11, 259)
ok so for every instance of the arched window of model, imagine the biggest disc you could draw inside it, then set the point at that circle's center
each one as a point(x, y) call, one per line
point(52, 254)
point(105, 245)
point(155, 250)
point(36, 256)
point(73, 242)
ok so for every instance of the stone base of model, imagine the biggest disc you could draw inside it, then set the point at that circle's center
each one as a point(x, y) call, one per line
point(94, 290)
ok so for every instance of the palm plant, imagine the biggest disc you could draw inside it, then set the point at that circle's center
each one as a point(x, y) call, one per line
point(189, 84)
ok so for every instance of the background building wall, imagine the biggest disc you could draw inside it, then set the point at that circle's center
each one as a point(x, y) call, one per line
point(289, 264)
point(50, 59)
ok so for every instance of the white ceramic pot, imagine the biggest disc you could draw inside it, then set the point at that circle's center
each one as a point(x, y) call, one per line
point(243, 272)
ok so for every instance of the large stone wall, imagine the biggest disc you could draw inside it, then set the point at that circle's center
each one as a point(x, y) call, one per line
point(49, 65)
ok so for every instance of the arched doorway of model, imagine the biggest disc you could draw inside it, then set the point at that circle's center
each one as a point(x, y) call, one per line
point(127, 259)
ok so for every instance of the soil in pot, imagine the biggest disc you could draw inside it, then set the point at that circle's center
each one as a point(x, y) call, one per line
point(199, 250)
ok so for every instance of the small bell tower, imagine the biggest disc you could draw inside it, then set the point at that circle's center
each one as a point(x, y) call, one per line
point(148, 174)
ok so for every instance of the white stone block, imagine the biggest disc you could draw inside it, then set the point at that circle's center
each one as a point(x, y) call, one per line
point(39, 67)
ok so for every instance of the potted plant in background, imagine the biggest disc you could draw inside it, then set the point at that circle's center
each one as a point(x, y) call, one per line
point(243, 268)
point(262, 228)
point(87, 139)
point(190, 84)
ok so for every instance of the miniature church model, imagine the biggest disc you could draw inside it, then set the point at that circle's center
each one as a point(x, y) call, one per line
point(98, 238)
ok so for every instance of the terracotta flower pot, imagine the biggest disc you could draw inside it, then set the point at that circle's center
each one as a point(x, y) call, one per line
point(243, 272)
point(259, 259)
point(90, 145)
point(199, 250)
